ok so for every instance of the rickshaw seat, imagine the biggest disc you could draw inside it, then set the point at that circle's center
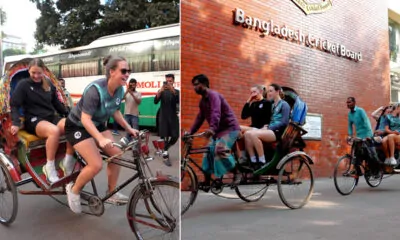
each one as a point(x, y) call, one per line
point(33, 141)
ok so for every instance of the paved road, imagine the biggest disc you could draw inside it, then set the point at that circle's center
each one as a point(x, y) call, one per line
point(41, 218)
point(365, 214)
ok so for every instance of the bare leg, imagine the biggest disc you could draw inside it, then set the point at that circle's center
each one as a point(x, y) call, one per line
point(45, 129)
point(90, 152)
point(385, 146)
point(248, 141)
point(391, 145)
point(112, 169)
point(260, 136)
point(61, 126)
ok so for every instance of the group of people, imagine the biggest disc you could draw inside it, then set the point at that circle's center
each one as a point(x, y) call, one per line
point(83, 124)
point(269, 115)
point(385, 134)
point(167, 119)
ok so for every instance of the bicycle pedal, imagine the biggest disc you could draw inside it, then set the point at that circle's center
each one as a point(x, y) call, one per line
point(149, 159)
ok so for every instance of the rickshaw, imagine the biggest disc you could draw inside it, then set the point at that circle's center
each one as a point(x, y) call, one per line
point(24, 154)
point(369, 162)
point(288, 168)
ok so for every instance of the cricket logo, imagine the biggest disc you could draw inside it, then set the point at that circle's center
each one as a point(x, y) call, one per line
point(310, 8)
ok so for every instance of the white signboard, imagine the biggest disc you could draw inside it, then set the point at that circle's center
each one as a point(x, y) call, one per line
point(313, 126)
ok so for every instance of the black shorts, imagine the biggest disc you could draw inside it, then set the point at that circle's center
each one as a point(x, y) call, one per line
point(30, 123)
point(278, 134)
point(75, 134)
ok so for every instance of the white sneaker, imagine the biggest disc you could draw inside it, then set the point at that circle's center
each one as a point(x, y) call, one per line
point(74, 200)
point(393, 161)
point(118, 199)
point(50, 173)
point(67, 168)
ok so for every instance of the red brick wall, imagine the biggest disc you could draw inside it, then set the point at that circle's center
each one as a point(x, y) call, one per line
point(235, 58)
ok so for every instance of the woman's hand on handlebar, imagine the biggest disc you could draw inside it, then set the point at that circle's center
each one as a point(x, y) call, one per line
point(14, 130)
point(105, 143)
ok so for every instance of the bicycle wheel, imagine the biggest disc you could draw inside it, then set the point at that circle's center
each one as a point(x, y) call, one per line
point(295, 178)
point(251, 192)
point(189, 188)
point(344, 184)
point(154, 213)
point(373, 180)
point(8, 208)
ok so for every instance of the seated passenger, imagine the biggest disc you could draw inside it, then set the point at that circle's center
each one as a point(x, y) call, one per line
point(269, 133)
point(85, 129)
point(38, 99)
point(259, 110)
point(380, 115)
point(392, 128)
point(380, 134)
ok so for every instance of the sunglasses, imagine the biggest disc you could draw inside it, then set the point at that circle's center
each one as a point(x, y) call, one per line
point(125, 71)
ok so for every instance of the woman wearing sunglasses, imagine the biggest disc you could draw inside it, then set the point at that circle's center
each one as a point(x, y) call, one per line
point(86, 131)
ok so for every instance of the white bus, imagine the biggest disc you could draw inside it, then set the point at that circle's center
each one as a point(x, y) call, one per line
point(151, 54)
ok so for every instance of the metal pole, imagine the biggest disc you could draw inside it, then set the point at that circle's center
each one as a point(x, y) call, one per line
point(1, 42)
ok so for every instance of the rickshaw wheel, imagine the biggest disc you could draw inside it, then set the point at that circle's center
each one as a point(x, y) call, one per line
point(373, 180)
point(251, 195)
point(189, 188)
point(7, 184)
point(344, 184)
point(295, 174)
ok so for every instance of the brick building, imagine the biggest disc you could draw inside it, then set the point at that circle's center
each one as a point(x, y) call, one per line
point(325, 57)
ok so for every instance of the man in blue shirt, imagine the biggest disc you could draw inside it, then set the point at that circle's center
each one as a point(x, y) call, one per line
point(359, 119)
point(362, 125)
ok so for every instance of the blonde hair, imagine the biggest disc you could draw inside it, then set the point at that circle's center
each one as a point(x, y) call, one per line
point(37, 62)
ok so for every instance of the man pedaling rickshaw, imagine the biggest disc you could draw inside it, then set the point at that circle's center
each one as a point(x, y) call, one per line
point(223, 129)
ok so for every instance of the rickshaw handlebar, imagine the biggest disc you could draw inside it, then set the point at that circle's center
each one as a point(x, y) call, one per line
point(188, 136)
point(141, 134)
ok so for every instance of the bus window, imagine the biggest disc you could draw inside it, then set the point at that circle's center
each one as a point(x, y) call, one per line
point(55, 69)
point(166, 54)
point(140, 63)
point(82, 69)
point(166, 60)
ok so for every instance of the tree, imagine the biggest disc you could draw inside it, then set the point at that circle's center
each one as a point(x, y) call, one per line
point(39, 49)
point(128, 15)
point(12, 52)
point(79, 22)
point(67, 23)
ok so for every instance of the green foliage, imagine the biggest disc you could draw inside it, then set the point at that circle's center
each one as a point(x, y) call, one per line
point(39, 49)
point(12, 52)
point(72, 23)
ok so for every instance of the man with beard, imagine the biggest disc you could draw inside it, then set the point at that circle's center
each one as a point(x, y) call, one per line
point(167, 116)
point(223, 128)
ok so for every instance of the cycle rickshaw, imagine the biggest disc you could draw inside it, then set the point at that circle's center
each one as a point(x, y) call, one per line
point(369, 162)
point(24, 154)
point(288, 168)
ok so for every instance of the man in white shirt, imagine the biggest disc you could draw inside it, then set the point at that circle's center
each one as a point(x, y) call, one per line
point(132, 99)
